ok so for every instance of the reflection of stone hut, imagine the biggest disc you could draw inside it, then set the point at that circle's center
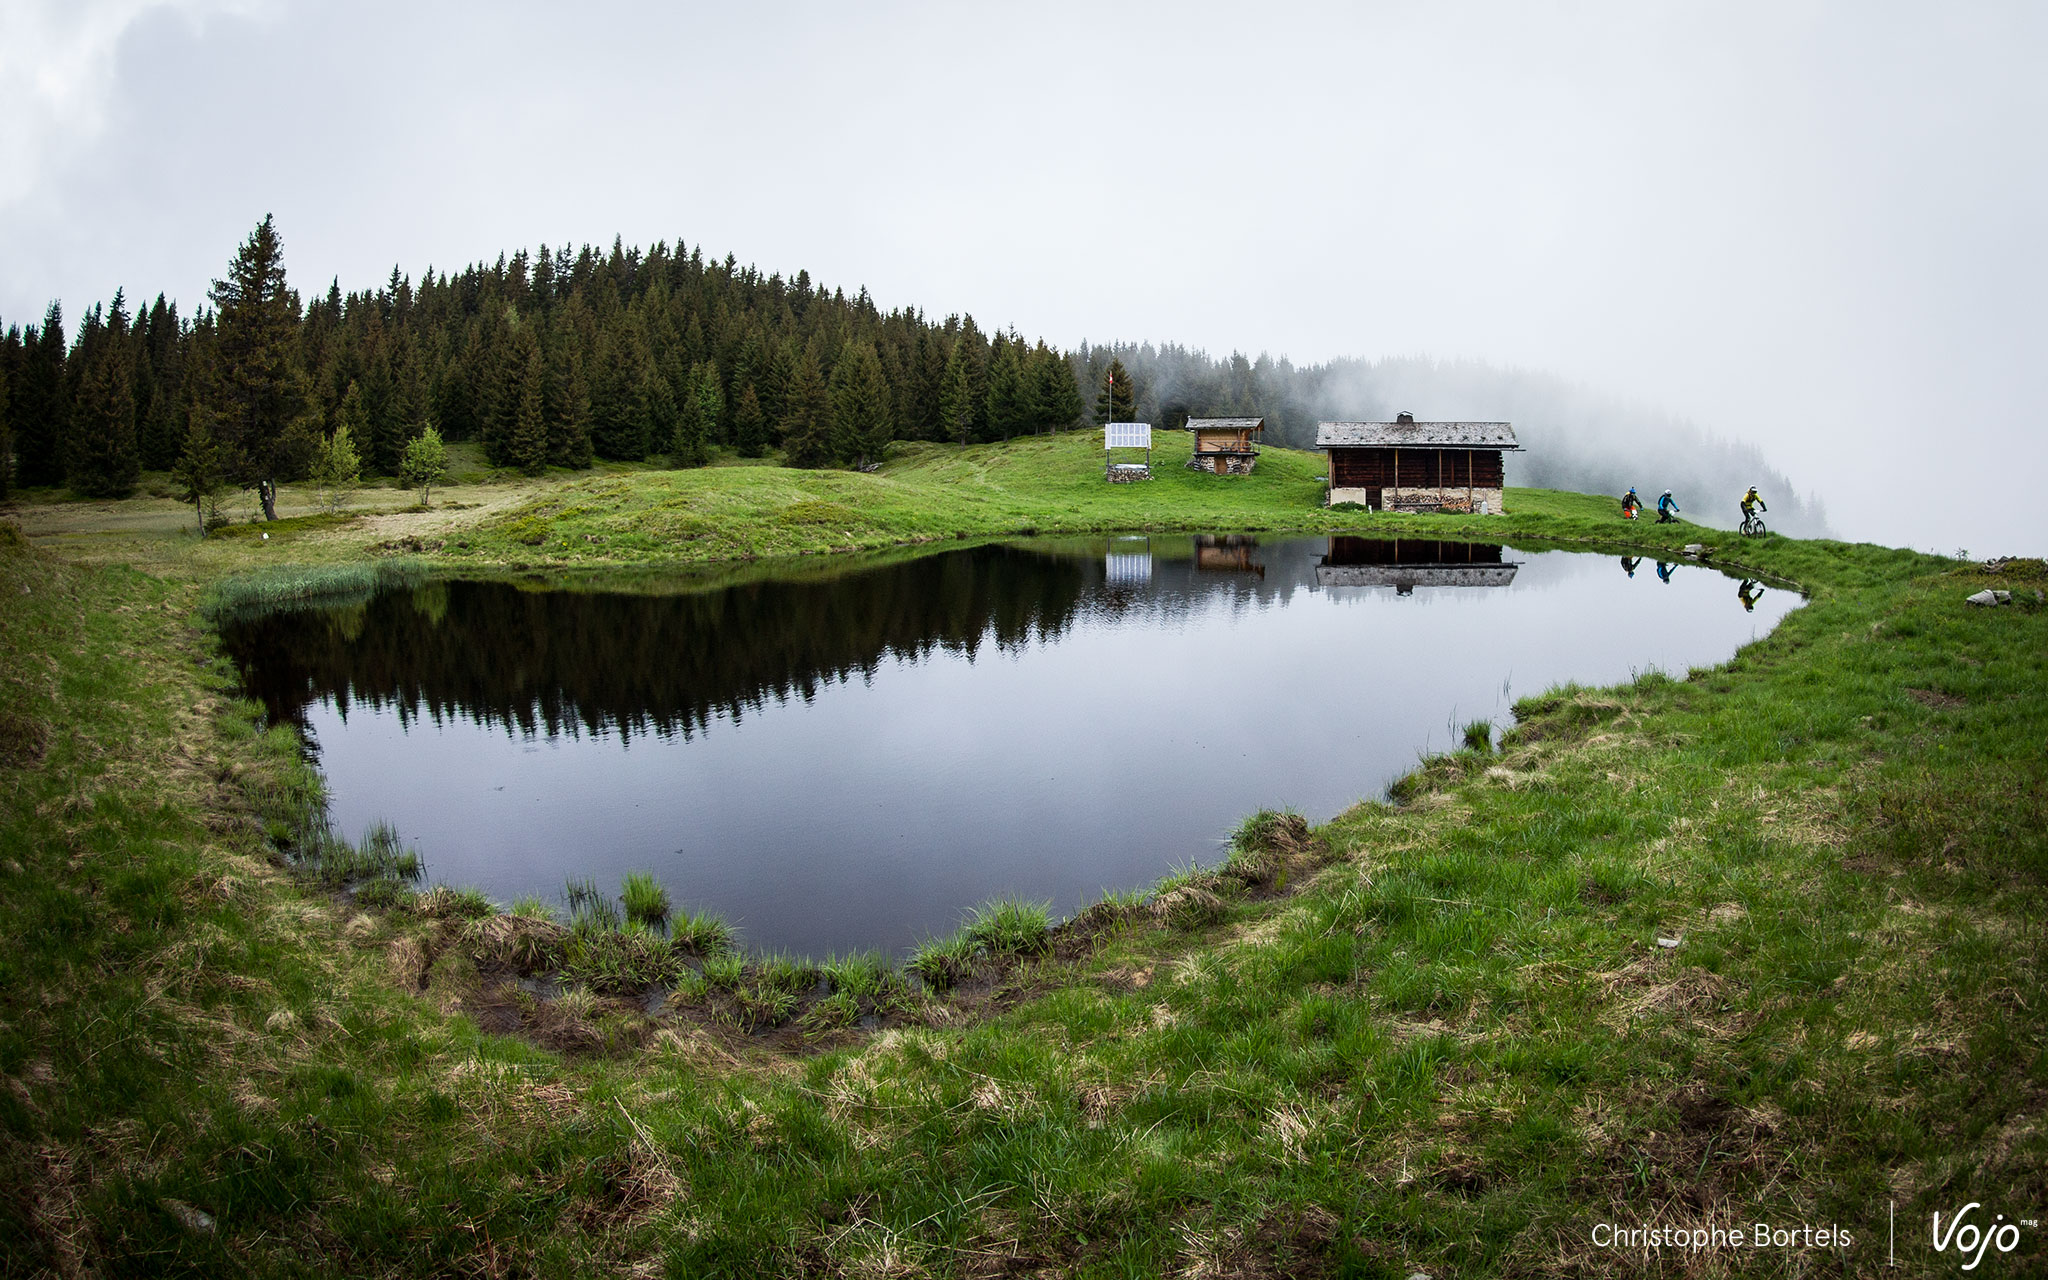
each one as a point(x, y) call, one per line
point(1407, 563)
point(1228, 553)
point(1407, 465)
point(1225, 446)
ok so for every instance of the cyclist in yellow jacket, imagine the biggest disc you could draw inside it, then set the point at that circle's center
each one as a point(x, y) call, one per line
point(1751, 501)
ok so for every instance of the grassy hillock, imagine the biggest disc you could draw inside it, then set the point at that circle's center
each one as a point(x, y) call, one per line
point(1444, 1033)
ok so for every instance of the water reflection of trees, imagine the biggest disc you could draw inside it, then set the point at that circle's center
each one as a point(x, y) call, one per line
point(553, 663)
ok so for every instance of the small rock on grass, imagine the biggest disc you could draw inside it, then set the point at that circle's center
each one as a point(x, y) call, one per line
point(196, 1221)
point(1984, 597)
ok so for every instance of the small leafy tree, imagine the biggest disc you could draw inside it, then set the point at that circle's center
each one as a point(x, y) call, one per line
point(424, 463)
point(199, 473)
point(340, 467)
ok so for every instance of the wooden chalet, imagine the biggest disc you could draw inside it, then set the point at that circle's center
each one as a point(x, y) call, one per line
point(1405, 465)
point(1407, 563)
point(1225, 446)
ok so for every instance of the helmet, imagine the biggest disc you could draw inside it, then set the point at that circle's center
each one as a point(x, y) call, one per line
point(1631, 488)
point(1667, 493)
point(1752, 488)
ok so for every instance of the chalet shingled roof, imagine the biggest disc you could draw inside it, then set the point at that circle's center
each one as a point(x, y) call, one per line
point(1226, 424)
point(1416, 435)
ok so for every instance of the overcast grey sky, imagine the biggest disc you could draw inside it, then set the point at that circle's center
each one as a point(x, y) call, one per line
point(1813, 225)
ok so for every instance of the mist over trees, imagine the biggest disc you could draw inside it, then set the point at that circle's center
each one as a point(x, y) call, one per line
point(553, 358)
point(1572, 437)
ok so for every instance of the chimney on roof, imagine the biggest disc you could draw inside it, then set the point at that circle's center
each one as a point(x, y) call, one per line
point(1404, 417)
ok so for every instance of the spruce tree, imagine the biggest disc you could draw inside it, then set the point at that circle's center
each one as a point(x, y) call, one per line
point(694, 419)
point(569, 435)
point(861, 415)
point(39, 405)
point(1056, 396)
point(956, 415)
point(1009, 398)
point(6, 433)
point(527, 447)
point(664, 411)
point(1118, 401)
point(258, 384)
point(807, 417)
point(619, 428)
point(749, 424)
point(711, 400)
point(101, 460)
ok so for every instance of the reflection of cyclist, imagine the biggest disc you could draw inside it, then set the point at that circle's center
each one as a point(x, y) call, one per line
point(1630, 504)
point(1663, 572)
point(1667, 509)
point(1751, 503)
point(1629, 563)
point(1749, 593)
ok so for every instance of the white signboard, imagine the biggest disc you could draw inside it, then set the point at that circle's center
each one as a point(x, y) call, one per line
point(1127, 435)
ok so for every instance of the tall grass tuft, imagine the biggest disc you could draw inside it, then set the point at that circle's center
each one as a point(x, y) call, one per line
point(249, 596)
point(942, 962)
point(645, 899)
point(330, 861)
point(1479, 736)
point(700, 934)
point(593, 916)
point(1010, 927)
point(862, 975)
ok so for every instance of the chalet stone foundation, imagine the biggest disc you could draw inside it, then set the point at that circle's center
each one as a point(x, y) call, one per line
point(1449, 498)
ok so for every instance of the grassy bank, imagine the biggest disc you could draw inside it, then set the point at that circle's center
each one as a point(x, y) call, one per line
point(645, 518)
point(1449, 1037)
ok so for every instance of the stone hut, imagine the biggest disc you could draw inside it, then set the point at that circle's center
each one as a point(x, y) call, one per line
point(1225, 446)
point(1405, 465)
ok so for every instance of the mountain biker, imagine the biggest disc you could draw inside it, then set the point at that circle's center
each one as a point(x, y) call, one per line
point(1749, 593)
point(1663, 572)
point(1751, 502)
point(1629, 563)
point(1667, 509)
point(1630, 504)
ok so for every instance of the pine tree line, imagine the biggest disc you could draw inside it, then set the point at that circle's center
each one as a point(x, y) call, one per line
point(548, 359)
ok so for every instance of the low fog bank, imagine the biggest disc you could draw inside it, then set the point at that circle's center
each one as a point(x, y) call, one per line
point(1572, 436)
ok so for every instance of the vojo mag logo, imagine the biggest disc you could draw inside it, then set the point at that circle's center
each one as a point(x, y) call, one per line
point(1970, 1240)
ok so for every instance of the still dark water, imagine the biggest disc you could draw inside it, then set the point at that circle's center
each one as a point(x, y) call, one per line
point(855, 760)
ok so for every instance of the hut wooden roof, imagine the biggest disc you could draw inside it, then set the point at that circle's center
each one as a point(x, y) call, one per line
point(1416, 435)
point(1226, 424)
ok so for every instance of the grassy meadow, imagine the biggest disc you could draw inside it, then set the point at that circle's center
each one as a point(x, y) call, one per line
point(1755, 944)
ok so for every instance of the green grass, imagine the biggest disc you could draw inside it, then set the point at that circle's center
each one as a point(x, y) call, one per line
point(1046, 485)
point(1440, 1036)
point(1010, 927)
point(645, 899)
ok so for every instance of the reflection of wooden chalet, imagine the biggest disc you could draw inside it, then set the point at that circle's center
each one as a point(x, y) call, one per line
point(1228, 553)
point(1407, 563)
point(1405, 465)
point(1225, 446)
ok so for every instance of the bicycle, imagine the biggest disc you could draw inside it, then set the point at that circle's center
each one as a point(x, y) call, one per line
point(1752, 526)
